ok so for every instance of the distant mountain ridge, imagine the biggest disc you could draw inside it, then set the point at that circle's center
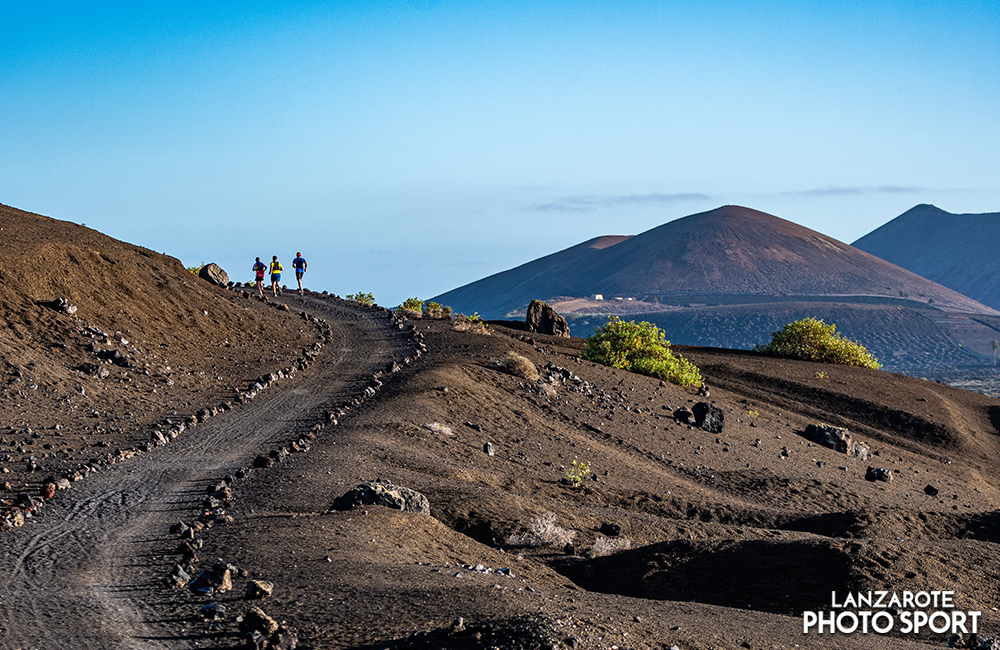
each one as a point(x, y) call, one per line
point(729, 251)
point(958, 251)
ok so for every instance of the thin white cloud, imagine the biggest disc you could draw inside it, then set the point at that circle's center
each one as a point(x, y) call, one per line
point(594, 203)
point(854, 191)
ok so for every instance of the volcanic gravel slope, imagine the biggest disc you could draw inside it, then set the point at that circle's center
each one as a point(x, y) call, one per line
point(731, 539)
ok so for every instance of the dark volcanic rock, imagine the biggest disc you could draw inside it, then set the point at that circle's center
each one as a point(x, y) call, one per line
point(60, 304)
point(878, 474)
point(836, 438)
point(709, 417)
point(94, 370)
point(214, 274)
point(257, 621)
point(543, 319)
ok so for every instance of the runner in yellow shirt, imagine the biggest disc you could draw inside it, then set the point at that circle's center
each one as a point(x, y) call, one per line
point(276, 270)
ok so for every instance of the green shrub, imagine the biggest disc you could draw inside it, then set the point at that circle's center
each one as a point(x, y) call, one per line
point(364, 299)
point(578, 471)
point(414, 304)
point(642, 348)
point(436, 310)
point(196, 269)
point(472, 324)
point(810, 339)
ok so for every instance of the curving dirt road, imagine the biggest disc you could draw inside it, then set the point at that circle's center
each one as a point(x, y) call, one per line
point(87, 573)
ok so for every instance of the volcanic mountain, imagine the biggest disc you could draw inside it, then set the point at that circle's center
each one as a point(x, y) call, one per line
point(727, 252)
point(956, 250)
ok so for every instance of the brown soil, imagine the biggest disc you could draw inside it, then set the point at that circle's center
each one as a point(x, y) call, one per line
point(732, 535)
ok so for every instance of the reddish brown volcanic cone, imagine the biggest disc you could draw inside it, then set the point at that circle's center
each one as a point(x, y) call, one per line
point(729, 250)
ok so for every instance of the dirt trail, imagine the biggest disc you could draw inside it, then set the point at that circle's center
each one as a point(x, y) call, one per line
point(87, 574)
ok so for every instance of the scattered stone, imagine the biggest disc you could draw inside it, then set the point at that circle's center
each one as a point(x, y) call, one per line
point(488, 449)
point(263, 461)
point(836, 438)
point(216, 579)
point(930, 490)
point(683, 414)
point(259, 590)
point(187, 551)
point(257, 621)
point(93, 370)
point(610, 530)
point(709, 417)
point(60, 304)
point(543, 319)
point(878, 474)
point(48, 490)
point(383, 493)
point(213, 612)
point(283, 639)
point(178, 578)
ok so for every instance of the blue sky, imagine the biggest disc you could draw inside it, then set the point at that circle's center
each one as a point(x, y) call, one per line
point(407, 148)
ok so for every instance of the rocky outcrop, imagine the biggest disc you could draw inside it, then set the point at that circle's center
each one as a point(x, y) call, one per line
point(383, 493)
point(543, 319)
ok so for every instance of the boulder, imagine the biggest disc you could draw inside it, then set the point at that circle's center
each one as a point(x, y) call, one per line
point(836, 438)
point(383, 493)
point(213, 273)
point(543, 319)
point(709, 417)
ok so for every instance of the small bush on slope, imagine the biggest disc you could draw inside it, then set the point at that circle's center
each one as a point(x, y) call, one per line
point(413, 304)
point(810, 339)
point(639, 347)
point(364, 299)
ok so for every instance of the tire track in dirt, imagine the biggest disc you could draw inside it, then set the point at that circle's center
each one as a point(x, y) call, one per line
point(88, 574)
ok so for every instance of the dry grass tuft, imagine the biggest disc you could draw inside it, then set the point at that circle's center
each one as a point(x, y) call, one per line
point(542, 531)
point(437, 427)
point(604, 546)
point(517, 365)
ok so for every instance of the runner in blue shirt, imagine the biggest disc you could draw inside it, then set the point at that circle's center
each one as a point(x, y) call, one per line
point(299, 264)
